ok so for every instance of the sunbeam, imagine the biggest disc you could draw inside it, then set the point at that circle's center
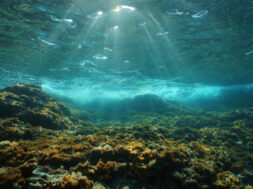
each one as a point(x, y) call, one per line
point(126, 94)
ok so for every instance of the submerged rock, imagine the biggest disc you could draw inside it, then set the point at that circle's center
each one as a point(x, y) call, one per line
point(118, 157)
point(42, 146)
point(30, 104)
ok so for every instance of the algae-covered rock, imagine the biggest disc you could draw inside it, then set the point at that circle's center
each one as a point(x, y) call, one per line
point(121, 156)
point(30, 104)
point(176, 148)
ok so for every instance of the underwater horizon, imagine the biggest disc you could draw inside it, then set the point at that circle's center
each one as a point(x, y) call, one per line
point(126, 94)
point(89, 50)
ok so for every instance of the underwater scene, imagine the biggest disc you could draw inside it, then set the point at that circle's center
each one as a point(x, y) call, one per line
point(126, 94)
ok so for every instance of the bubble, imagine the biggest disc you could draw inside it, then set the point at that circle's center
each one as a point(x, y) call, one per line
point(200, 14)
point(174, 12)
point(97, 15)
point(100, 57)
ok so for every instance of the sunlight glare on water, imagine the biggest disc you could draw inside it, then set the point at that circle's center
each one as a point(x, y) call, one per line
point(126, 94)
point(189, 43)
point(96, 15)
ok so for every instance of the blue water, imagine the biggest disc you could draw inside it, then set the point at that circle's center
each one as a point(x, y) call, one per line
point(82, 50)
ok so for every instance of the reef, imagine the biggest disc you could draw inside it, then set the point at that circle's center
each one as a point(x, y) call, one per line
point(44, 144)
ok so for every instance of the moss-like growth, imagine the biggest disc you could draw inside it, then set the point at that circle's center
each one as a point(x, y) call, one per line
point(195, 149)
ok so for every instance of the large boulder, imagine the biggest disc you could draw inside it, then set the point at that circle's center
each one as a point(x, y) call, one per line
point(30, 104)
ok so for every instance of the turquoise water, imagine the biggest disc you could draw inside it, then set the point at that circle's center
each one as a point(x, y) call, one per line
point(81, 50)
point(126, 94)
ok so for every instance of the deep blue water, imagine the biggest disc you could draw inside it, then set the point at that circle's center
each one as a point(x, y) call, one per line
point(184, 50)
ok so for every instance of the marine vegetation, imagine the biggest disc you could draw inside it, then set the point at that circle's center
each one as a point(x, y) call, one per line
point(44, 144)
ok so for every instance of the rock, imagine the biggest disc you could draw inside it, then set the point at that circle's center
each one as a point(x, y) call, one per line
point(31, 105)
